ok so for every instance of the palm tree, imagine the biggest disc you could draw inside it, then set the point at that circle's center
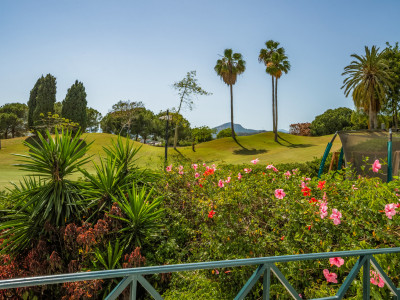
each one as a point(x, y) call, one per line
point(228, 68)
point(367, 78)
point(276, 63)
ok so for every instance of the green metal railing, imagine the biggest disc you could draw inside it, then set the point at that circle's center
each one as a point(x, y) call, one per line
point(266, 267)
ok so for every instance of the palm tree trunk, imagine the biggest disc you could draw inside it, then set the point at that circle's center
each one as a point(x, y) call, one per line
point(276, 109)
point(273, 105)
point(233, 130)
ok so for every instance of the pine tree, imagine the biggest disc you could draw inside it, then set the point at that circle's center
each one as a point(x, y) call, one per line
point(75, 104)
point(32, 102)
point(45, 97)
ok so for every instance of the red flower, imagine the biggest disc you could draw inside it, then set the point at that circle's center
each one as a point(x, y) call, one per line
point(306, 191)
point(211, 214)
point(313, 200)
point(321, 184)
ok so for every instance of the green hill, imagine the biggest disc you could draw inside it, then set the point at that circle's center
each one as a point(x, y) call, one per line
point(262, 146)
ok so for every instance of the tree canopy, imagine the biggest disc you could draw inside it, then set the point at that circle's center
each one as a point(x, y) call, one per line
point(75, 104)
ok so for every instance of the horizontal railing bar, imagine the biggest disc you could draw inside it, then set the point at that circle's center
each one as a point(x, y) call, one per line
point(61, 278)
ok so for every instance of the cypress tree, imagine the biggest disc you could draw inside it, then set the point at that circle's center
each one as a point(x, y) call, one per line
point(75, 104)
point(45, 97)
point(32, 102)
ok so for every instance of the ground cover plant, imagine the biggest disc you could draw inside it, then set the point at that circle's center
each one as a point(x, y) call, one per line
point(124, 216)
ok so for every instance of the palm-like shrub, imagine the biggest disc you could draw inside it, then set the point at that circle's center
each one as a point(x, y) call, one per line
point(141, 215)
point(48, 195)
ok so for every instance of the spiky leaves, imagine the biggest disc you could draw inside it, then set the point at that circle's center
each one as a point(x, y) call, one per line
point(228, 68)
point(367, 78)
point(141, 218)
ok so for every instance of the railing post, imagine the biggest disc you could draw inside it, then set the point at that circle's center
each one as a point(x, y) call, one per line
point(266, 283)
point(133, 288)
point(366, 278)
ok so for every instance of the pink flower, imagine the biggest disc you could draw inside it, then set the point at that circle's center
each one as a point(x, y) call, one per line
point(270, 167)
point(275, 169)
point(323, 209)
point(376, 279)
point(168, 168)
point(287, 174)
point(197, 175)
point(330, 277)
point(247, 170)
point(180, 168)
point(279, 193)
point(228, 180)
point(335, 216)
point(376, 166)
point(336, 261)
point(306, 179)
point(354, 187)
point(221, 183)
point(390, 210)
point(204, 164)
point(303, 184)
point(194, 166)
point(180, 172)
point(239, 176)
point(255, 161)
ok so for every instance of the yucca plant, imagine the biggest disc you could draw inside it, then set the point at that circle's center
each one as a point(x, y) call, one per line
point(16, 225)
point(124, 154)
point(48, 195)
point(107, 181)
point(141, 217)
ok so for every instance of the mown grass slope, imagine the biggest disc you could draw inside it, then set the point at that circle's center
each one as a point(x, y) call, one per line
point(290, 149)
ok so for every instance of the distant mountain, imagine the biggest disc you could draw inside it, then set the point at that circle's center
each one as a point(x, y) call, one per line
point(239, 129)
point(283, 131)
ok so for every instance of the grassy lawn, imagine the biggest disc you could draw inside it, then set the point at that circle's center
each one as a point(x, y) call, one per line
point(262, 146)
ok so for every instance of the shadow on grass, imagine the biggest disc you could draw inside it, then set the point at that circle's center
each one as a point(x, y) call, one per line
point(299, 145)
point(249, 151)
point(180, 155)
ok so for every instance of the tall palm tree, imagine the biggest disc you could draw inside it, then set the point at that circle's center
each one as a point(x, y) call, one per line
point(276, 63)
point(228, 68)
point(367, 79)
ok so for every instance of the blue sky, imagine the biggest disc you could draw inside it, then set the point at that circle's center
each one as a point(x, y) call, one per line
point(136, 50)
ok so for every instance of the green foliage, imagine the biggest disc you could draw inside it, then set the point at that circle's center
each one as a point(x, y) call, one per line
point(52, 122)
point(74, 105)
point(368, 77)
point(331, 121)
point(228, 68)
point(45, 97)
point(187, 88)
point(93, 119)
point(227, 132)
point(53, 159)
point(249, 221)
point(141, 215)
point(13, 118)
point(392, 101)
point(202, 134)
point(32, 102)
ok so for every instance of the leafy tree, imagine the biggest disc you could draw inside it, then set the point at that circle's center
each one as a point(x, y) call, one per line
point(32, 102)
point(359, 119)
point(331, 121)
point(227, 132)
point(58, 108)
point(120, 119)
point(392, 102)
point(184, 131)
point(75, 104)
point(13, 119)
point(45, 97)
point(187, 88)
point(93, 119)
point(368, 77)
point(202, 134)
point(276, 63)
point(228, 68)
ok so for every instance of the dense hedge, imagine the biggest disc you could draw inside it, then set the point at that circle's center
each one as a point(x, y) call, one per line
point(212, 219)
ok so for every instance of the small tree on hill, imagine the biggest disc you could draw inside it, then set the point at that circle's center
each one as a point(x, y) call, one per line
point(32, 102)
point(75, 104)
point(45, 97)
point(187, 88)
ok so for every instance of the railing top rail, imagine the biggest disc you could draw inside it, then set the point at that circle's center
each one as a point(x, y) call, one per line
point(92, 275)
